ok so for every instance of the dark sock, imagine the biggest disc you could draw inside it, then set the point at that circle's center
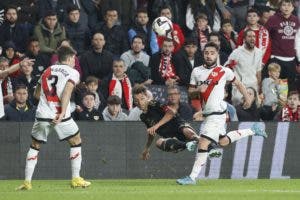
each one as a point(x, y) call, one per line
point(173, 145)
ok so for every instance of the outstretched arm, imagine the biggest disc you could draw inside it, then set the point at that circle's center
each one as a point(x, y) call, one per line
point(146, 152)
point(170, 113)
point(15, 67)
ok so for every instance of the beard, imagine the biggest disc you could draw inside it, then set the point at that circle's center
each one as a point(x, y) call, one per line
point(210, 64)
point(249, 45)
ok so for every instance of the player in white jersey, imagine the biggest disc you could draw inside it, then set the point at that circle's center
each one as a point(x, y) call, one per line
point(209, 80)
point(53, 115)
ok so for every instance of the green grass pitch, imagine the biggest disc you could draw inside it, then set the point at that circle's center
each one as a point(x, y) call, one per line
point(155, 189)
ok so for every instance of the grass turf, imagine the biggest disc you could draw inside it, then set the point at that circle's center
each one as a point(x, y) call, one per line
point(155, 189)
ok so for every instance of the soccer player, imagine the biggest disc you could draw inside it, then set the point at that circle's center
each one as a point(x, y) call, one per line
point(175, 134)
point(209, 80)
point(53, 114)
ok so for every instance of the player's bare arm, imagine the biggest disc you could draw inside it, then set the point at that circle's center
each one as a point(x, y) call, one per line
point(170, 113)
point(65, 99)
point(15, 67)
point(37, 92)
point(243, 90)
point(146, 152)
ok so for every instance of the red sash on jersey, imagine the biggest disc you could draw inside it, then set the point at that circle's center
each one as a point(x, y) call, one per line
point(213, 79)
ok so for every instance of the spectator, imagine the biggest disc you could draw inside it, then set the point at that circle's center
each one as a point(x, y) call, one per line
point(92, 84)
point(186, 60)
point(270, 90)
point(216, 38)
point(143, 28)
point(228, 37)
point(113, 111)
point(184, 110)
point(262, 35)
point(27, 79)
point(282, 28)
point(246, 61)
point(136, 53)
point(88, 112)
point(113, 33)
point(42, 60)
point(58, 6)
point(9, 51)
point(6, 82)
point(238, 10)
point(176, 35)
point(66, 43)
point(20, 109)
point(265, 13)
point(252, 113)
point(98, 61)
point(49, 32)
point(290, 112)
point(201, 31)
point(11, 30)
point(118, 84)
point(76, 31)
point(162, 65)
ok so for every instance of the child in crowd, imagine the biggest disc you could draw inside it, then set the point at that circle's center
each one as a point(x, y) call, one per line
point(290, 112)
point(228, 37)
point(201, 30)
point(113, 110)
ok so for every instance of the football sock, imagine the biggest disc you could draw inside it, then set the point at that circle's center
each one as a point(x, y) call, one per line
point(200, 161)
point(173, 145)
point(239, 134)
point(75, 157)
point(31, 160)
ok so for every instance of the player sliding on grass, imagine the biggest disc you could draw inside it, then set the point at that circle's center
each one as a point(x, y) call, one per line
point(175, 134)
point(53, 115)
point(210, 79)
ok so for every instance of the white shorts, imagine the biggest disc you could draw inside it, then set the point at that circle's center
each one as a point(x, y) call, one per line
point(64, 130)
point(213, 126)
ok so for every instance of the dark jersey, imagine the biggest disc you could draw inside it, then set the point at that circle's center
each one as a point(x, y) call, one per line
point(155, 113)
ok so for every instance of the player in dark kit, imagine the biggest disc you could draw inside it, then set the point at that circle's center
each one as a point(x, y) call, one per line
point(175, 134)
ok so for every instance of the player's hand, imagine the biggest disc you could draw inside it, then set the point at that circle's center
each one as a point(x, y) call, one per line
point(152, 130)
point(58, 118)
point(27, 62)
point(145, 155)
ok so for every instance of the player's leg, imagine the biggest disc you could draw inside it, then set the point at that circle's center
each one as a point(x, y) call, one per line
point(39, 135)
point(170, 145)
point(69, 131)
point(233, 136)
point(191, 135)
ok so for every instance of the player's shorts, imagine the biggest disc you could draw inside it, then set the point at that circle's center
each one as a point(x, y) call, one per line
point(65, 130)
point(175, 131)
point(213, 126)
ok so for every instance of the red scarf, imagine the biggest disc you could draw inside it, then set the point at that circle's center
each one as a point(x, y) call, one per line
point(287, 114)
point(118, 87)
point(166, 67)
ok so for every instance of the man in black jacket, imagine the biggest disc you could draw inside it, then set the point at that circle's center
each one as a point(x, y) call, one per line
point(20, 109)
point(186, 59)
point(96, 62)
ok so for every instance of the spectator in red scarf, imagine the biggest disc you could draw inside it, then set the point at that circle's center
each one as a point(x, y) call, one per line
point(177, 34)
point(290, 112)
point(262, 34)
point(228, 37)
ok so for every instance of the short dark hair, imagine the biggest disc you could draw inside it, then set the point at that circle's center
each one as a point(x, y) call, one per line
point(211, 44)
point(91, 79)
point(138, 89)
point(72, 7)
point(142, 10)
point(286, 1)
point(214, 34)
point(50, 13)
point(226, 21)
point(294, 92)
point(167, 40)
point(113, 100)
point(165, 6)
point(138, 36)
point(246, 32)
point(64, 53)
point(253, 10)
point(88, 93)
point(14, 7)
point(32, 39)
point(19, 87)
point(190, 41)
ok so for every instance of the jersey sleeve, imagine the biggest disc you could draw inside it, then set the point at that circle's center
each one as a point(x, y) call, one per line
point(74, 77)
point(229, 74)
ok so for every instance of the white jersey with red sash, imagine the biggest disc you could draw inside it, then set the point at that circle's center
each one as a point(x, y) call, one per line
point(213, 82)
point(53, 82)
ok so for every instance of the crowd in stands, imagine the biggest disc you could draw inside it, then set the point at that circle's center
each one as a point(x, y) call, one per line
point(117, 48)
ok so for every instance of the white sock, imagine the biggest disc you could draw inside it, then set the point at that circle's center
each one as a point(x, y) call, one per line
point(31, 160)
point(75, 157)
point(239, 134)
point(199, 162)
